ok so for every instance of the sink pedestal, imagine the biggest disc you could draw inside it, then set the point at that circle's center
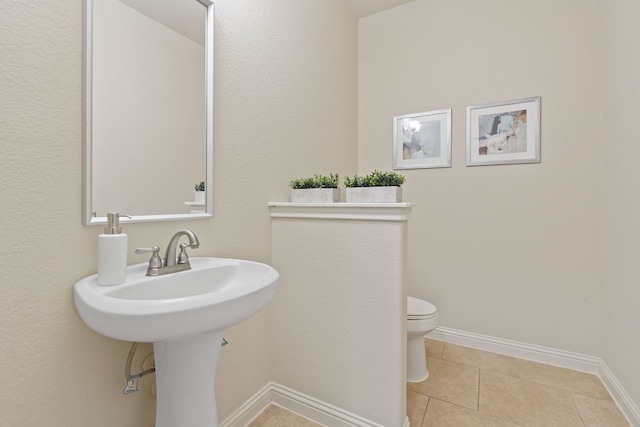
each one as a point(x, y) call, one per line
point(185, 380)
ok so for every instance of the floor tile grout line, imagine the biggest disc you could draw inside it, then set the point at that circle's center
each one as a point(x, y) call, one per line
point(468, 409)
point(479, 380)
point(426, 408)
point(578, 410)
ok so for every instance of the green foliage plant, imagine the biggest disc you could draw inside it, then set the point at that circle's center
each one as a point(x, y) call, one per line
point(376, 179)
point(199, 186)
point(316, 181)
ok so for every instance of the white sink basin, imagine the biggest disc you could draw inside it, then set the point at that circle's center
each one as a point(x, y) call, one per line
point(215, 294)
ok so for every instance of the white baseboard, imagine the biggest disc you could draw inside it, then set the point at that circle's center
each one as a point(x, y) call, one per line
point(619, 395)
point(250, 409)
point(329, 415)
point(306, 406)
point(564, 359)
point(536, 353)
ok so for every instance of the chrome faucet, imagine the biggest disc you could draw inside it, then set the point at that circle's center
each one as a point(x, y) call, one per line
point(171, 262)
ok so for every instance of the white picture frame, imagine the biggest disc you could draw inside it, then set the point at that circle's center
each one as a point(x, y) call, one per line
point(422, 140)
point(506, 132)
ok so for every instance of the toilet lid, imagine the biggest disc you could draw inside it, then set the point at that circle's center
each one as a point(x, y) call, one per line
point(417, 308)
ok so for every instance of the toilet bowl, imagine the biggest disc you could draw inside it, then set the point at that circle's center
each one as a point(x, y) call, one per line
point(422, 318)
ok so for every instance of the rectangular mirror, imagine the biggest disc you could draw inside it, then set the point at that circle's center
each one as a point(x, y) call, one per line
point(148, 109)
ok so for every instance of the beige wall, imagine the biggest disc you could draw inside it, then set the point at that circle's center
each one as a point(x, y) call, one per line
point(621, 198)
point(543, 254)
point(509, 251)
point(285, 108)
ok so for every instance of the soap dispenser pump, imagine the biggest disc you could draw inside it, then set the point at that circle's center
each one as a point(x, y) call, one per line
point(112, 252)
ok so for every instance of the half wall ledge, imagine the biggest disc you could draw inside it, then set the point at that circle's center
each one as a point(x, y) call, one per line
point(349, 211)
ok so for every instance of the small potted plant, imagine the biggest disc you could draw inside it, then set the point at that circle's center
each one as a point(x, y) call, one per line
point(316, 189)
point(376, 187)
point(199, 194)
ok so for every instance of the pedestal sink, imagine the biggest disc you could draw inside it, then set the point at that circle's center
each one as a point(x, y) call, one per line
point(184, 315)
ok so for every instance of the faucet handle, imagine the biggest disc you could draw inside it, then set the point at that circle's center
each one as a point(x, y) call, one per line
point(155, 262)
point(183, 256)
point(154, 249)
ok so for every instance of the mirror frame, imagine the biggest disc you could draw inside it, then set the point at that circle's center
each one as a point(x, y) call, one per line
point(87, 213)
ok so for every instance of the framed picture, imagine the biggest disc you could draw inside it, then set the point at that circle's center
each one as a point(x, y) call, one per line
point(422, 140)
point(504, 132)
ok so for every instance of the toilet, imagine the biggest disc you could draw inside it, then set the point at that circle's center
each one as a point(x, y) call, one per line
point(422, 318)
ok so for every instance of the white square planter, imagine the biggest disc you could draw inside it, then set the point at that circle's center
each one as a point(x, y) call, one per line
point(315, 195)
point(374, 194)
point(199, 197)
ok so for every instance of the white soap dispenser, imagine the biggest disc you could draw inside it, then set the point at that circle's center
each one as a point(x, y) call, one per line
point(112, 252)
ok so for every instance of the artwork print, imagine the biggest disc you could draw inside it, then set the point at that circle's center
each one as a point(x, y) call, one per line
point(504, 132)
point(420, 138)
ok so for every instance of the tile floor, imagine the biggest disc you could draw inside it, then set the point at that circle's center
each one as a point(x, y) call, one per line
point(473, 388)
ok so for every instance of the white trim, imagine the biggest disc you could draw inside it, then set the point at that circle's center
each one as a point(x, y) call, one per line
point(303, 405)
point(349, 211)
point(250, 409)
point(619, 395)
point(564, 359)
point(536, 353)
point(317, 410)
